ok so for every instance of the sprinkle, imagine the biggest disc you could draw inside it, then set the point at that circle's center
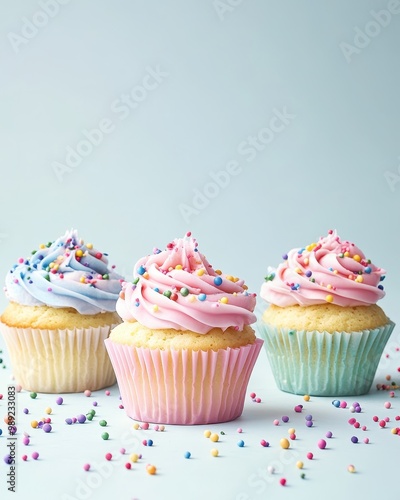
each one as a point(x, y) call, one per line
point(329, 298)
point(184, 291)
point(35, 455)
point(224, 300)
point(103, 423)
point(87, 393)
point(134, 457)
point(321, 444)
point(366, 440)
point(59, 400)
point(108, 456)
point(285, 443)
point(187, 454)
point(382, 423)
point(214, 452)
point(26, 440)
point(306, 397)
point(81, 418)
point(298, 408)
point(310, 456)
point(214, 437)
point(292, 430)
point(144, 426)
point(105, 436)
point(354, 439)
point(34, 424)
point(239, 430)
point(240, 443)
point(276, 422)
point(285, 419)
point(128, 466)
point(388, 404)
point(202, 297)
point(151, 469)
point(155, 308)
point(33, 395)
point(207, 434)
point(178, 267)
point(107, 393)
point(47, 428)
point(200, 272)
point(282, 481)
point(329, 434)
point(264, 443)
point(141, 270)
point(217, 281)
point(351, 468)
point(299, 464)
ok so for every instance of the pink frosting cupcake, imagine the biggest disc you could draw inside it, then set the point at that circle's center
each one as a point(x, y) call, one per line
point(185, 350)
point(324, 333)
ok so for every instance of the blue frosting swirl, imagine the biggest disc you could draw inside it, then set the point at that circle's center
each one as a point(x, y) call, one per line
point(65, 273)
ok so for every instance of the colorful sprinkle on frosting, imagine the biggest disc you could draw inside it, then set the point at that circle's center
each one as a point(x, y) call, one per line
point(330, 270)
point(177, 288)
point(79, 276)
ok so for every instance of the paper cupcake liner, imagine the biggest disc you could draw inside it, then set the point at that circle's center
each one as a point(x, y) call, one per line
point(182, 386)
point(58, 361)
point(322, 363)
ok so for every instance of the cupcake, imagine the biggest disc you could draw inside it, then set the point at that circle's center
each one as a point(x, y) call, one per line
point(185, 350)
point(61, 309)
point(324, 333)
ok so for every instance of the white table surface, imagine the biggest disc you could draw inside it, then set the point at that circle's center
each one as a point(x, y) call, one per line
point(238, 473)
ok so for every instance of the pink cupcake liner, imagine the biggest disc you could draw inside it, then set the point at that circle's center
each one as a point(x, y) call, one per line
point(183, 387)
point(59, 361)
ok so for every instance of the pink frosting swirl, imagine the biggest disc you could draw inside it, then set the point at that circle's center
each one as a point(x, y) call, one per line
point(328, 271)
point(177, 288)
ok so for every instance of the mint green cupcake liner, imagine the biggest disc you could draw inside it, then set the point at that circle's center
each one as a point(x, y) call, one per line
point(322, 363)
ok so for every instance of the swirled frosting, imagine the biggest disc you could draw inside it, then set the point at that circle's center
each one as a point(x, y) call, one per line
point(330, 270)
point(177, 288)
point(65, 273)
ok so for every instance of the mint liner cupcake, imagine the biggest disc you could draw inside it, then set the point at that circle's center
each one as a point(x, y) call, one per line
point(324, 333)
point(62, 307)
point(185, 350)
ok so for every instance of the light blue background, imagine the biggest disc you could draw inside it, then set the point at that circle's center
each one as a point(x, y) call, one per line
point(227, 73)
